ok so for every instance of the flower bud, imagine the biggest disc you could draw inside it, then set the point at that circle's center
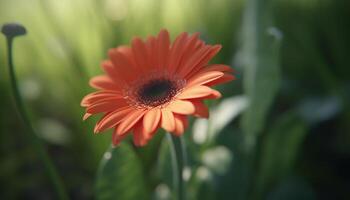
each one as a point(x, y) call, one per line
point(11, 30)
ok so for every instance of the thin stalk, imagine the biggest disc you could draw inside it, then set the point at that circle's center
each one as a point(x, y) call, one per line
point(178, 161)
point(33, 137)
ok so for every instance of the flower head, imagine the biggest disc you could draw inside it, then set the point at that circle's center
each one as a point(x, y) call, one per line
point(155, 84)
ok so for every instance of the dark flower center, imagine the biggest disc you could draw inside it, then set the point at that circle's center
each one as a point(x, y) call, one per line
point(157, 92)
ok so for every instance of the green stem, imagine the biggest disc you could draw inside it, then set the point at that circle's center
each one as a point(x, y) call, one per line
point(178, 160)
point(35, 140)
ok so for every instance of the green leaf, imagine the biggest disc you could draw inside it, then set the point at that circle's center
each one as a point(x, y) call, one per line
point(280, 150)
point(149, 153)
point(206, 131)
point(120, 175)
point(260, 51)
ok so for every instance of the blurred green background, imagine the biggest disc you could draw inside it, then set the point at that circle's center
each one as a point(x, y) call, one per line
point(281, 131)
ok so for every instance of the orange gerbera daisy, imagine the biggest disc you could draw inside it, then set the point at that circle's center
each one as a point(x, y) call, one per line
point(155, 84)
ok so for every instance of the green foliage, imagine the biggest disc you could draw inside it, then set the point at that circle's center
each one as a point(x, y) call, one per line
point(164, 167)
point(260, 54)
point(261, 81)
point(120, 175)
point(280, 149)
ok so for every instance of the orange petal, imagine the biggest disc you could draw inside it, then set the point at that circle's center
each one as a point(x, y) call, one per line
point(116, 139)
point(163, 42)
point(97, 97)
point(96, 125)
point(201, 109)
point(126, 51)
point(104, 92)
point(140, 136)
point(130, 120)
point(151, 46)
point(121, 58)
point(112, 72)
point(190, 48)
point(106, 106)
point(103, 82)
point(203, 61)
point(112, 119)
point(213, 51)
point(168, 122)
point(196, 58)
point(180, 124)
point(140, 52)
point(176, 52)
point(181, 107)
point(122, 64)
point(200, 44)
point(195, 92)
point(203, 78)
point(151, 120)
point(217, 67)
point(224, 79)
point(127, 56)
point(86, 116)
point(214, 95)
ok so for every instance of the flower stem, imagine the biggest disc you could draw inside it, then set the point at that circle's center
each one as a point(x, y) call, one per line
point(178, 162)
point(35, 140)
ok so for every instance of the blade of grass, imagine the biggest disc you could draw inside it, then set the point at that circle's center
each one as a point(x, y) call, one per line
point(261, 81)
point(260, 56)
